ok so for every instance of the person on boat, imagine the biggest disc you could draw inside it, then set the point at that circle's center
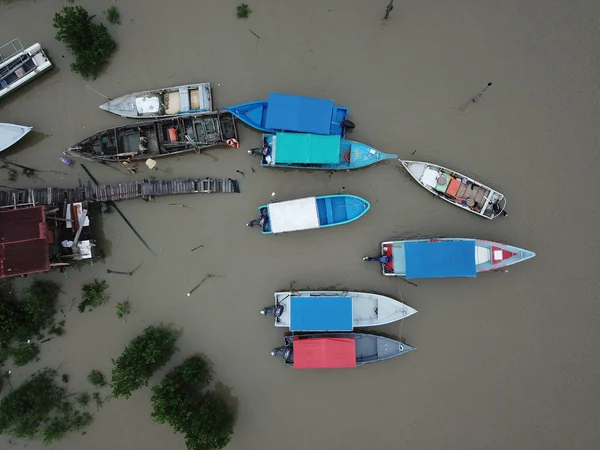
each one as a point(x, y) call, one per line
point(379, 259)
point(262, 221)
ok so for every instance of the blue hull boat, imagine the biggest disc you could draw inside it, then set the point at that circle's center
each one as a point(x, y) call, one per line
point(310, 213)
point(312, 151)
point(283, 112)
point(443, 258)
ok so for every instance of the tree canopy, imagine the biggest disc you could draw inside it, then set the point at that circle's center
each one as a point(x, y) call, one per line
point(90, 43)
point(142, 357)
point(183, 401)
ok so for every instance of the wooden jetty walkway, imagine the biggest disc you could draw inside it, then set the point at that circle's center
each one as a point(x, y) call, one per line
point(146, 190)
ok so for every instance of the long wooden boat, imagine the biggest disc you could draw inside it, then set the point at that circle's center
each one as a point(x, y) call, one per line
point(283, 112)
point(338, 350)
point(311, 212)
point(166, 102)
point(312, 311)
point(313, 151)
point(11, 134)
point(158, 139)
point(20, 65)
point(457, 189)
point(446, 257)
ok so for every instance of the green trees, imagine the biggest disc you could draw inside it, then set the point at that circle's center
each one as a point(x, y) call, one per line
point(141, 359)
point(183, 401)
point(93, 295)
point(39, 409)
point(90, 43)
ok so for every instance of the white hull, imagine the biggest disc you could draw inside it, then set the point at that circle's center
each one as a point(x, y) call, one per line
point(160, 103)
point(22, 67)
point(368, 310)
point(483, 199)
point(10, 134)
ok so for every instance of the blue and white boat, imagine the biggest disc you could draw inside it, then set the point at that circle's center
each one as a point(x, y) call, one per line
point(283, 112)
point(314, 151)
point(310, 213)
point(443, 258)
point(303, 311)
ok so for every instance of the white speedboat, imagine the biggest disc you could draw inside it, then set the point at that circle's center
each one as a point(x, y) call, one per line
point(11, 133)
point(19, 65)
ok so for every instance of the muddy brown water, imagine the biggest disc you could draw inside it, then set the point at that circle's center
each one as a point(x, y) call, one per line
point(504, 361)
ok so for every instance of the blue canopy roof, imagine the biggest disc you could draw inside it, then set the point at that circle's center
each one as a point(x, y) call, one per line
point(296, 113)
point(440, 259)
point(306, 148)
point(321, 313)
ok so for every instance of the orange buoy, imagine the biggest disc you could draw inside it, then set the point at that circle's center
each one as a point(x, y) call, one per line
point(232, 143)
point(347, 156)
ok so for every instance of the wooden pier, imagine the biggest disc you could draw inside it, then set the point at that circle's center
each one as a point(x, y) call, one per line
point(146, 190)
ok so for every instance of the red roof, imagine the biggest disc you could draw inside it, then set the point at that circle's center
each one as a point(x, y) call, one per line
point(324, 353)
point(23, 242)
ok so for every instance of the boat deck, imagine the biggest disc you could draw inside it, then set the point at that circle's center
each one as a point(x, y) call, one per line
point(146, 190)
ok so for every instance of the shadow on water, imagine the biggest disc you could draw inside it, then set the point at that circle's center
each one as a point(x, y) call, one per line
point(32, 138)
point(44, 78)
point(103, 245)
point(224, 393)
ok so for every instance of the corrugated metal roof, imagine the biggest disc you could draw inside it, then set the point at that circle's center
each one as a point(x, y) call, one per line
point(23, 242)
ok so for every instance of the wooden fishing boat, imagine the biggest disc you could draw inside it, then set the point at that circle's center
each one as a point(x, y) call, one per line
point(20, 65)
point(457, 189)
point(448, 257)
point(338, 350)
point(283, 112)
point(158, 139)
point(313, 151)
point(11, 134)
point(312, 311)
point(166, 102)
point(310, 213)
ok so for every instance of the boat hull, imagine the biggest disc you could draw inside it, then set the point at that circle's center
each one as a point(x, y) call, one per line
point(364, 310)
point(157, 139)
point(457, 189)
point(293, 113)
point(329, 354)
point(313, 212)
point(10, 134)
point(190, 99)
point(448, 257)
point(352, 155)
point(24, 66)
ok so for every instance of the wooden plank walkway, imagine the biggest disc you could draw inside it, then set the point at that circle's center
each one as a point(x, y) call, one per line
point(146, 190)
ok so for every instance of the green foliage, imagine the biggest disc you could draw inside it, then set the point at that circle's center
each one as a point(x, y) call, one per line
point(242, 11)
point(141, 359)
point(38, 304)
point(113, 15)
point(39, 409)
point(123, 309)
point(13, 175)
point(96, 378)
point(83, 399)
point(90, 43)
point(57, 328)
point(25, 353)
point(202, 416)
point(97, 399)
point(93, 295)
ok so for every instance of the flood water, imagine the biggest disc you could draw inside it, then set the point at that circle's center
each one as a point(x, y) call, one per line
point(503, 361)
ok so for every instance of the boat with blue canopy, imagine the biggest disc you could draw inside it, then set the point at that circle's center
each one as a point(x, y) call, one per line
point(448, 257)
point(310, 213)
point(303, 311)
point(338, 350)
point(314, 151)
point(284, 112)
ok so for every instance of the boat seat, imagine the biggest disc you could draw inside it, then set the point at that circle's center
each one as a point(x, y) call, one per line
point(482, 254)
point(329, 211)
point(173, 106)
point(184, 99)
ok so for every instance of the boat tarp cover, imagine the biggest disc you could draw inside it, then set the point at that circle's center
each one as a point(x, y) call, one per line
point(321, 313)
point(294, 215)
point(305, 148)
point(440, 259)
point(324, 353)
point(296, 113)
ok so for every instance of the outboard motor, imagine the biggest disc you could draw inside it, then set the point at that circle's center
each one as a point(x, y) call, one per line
point(276, 310)
point(254, 151)
point(348, 124)
point(279, 351)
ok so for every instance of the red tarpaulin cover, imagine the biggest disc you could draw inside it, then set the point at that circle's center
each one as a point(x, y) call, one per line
point(324, 353)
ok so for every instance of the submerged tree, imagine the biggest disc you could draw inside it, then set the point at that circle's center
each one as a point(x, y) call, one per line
point(141, 359)
point(93, 295)
point(182, 401)
point(90, 43)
